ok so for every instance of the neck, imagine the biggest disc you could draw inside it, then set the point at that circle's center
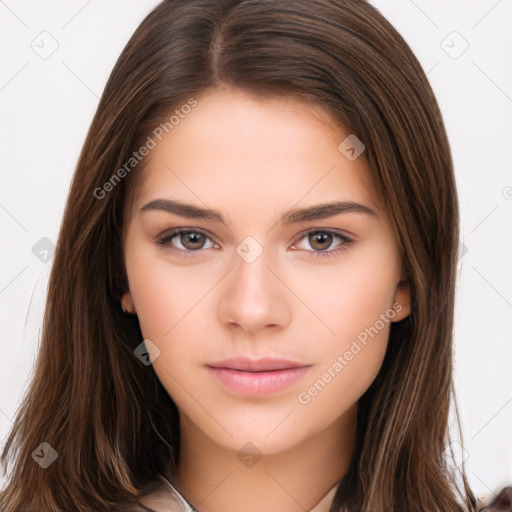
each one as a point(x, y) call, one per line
point(213, 478)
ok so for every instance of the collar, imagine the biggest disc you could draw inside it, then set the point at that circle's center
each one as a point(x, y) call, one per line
point(322, 506)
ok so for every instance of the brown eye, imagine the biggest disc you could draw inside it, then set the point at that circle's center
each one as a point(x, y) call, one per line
point(323, 243)
point(187, 240)
point(320, 240)
point(192, 240)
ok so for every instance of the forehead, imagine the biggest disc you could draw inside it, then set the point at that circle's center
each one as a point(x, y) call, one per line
point(237, 147)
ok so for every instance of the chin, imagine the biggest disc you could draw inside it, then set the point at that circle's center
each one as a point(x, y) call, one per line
point(274, 433)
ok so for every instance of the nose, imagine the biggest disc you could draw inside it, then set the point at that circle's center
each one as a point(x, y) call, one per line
point(253, 298)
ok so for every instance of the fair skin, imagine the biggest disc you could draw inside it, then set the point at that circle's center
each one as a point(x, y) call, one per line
point(199, 301)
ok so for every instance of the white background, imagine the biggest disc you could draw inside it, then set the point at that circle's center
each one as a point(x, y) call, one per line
point(47, 106)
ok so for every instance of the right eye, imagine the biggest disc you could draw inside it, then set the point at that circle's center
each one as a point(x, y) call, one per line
point(186, 240)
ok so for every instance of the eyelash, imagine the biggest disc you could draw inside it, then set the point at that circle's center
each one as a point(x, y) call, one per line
point(167, 238)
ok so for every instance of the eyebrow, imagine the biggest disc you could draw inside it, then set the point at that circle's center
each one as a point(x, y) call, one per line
point(294, 216)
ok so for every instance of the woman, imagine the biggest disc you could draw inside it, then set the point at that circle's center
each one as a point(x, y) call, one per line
point(251, 302)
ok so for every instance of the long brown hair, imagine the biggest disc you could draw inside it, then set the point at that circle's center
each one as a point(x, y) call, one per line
point(105, 414)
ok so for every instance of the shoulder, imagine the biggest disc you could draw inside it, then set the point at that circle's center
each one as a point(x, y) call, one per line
point(166, 498)
point(502, 502)
point(161, 500)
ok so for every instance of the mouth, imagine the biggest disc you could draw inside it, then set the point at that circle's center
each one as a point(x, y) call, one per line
point(247, 376)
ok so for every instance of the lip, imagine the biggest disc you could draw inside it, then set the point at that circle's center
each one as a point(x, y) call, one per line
point(257, 376)
point(264, 364)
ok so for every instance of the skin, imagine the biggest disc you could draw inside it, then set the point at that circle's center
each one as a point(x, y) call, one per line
point(253, 159)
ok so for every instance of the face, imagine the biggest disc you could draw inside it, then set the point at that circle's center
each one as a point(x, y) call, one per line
point(262, 269)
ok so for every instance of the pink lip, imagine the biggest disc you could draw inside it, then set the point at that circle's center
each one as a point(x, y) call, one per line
point(257, 376)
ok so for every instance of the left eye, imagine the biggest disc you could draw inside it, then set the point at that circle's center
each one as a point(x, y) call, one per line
point(322, 241)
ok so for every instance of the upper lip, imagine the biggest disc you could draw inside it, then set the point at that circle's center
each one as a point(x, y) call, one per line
point(256, 365)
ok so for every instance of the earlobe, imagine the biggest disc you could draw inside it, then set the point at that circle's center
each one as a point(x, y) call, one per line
point(127, 304)
point(402, 300)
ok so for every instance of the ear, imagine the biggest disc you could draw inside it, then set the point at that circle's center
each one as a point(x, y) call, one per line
point(127, 303)
point(402, 300)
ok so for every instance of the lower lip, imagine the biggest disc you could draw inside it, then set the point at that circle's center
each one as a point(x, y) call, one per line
point(258, 383)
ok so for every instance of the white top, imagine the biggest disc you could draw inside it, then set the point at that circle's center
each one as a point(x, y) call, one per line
point(169, 499)
point(181, 501)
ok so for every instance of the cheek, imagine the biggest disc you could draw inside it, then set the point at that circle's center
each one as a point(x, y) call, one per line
point(340, 382)
point(354, 303)
point(345, 299)
point(169, 308)
point(163, 293)
point(348, 361)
